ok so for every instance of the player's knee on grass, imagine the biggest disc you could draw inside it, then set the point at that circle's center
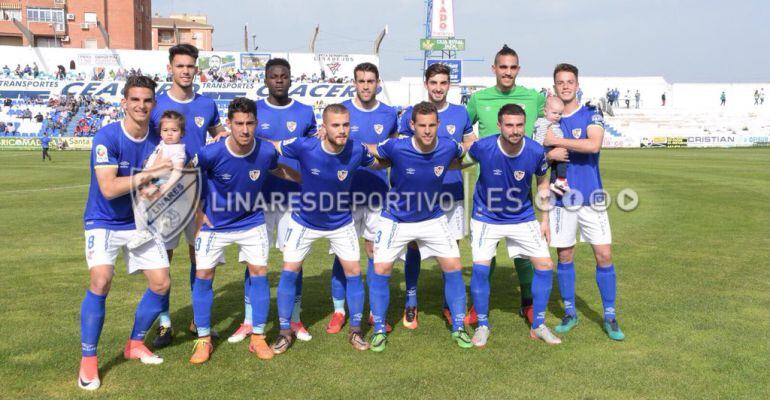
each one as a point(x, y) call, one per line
point(351, 268)
point(542, 264)
point(206, 274)
point(383, 268)
point(158, 280)
point(257, 270)
point(565, 255)
point(603, 254)
point(101, 279)
point(292, 266)
point(449, 264)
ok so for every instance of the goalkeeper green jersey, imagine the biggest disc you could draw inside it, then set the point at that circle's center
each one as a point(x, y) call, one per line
point(484, 105)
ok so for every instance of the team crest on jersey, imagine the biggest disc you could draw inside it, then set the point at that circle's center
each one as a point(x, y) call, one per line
point(342, 174)
point(199, 121)
point(438, 169)
point(101, 153)
point(378, 128)
point(451, 129)
point(576, 133)
point(519, 175)
point(291, 125)
point(254, 174)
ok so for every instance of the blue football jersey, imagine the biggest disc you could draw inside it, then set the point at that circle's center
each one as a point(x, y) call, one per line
point(453, 123)
point(416, 178)
point(583, 168)
point(200, 114)
point(234, 183)
point(281, 123)
point(502, 194)
point(371, 127)
point(113, 147)
point(326, 180)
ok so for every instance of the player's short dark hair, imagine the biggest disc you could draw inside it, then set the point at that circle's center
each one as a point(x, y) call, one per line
point(367, 67)
point(276, 62)
point(424, 108)
point(140, 81)
point(173, 116)
point(505, 51)
point(335, 109)
point(182, 49)
point(437, 69)
point(241, 105)
point(564, 67)
point(510, 109)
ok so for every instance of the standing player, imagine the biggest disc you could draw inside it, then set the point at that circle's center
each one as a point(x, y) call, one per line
point(45, 144)
point(235, 170)
point(483, 107)
point(118, 149)
point(371, 122)
point(201, 120)
point(324, 212)
point(502, 209)
point(583, 129)
point(455, 125)
point(280, 118)
point(413, 213)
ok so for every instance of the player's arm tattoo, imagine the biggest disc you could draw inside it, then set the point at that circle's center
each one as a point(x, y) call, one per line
point(283, 171)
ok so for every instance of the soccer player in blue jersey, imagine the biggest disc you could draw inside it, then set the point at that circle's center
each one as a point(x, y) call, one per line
point(371, 122)
point(326, 166)
point(583, 207)
point(280, 118)
point(235, 170)
point(413, 213)
point(502, 209)
point(118, 149)
point(455, 124)
point(201, 122)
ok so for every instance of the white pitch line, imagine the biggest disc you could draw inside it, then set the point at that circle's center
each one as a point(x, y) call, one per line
point(42, 189)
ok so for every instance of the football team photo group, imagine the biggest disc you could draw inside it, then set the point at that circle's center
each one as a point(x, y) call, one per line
point(269, 177)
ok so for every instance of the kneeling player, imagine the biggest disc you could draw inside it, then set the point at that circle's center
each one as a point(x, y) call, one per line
point(118, 149)
point(324, 212)
point(502, 209)
point(413, 213)
point(235, 170)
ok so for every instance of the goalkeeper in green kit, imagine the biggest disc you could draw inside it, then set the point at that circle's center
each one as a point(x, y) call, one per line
point(483, 107)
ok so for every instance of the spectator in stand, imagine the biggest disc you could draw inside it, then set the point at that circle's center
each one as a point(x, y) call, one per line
point(35, 70)
point(10, 129)
point(723, 99)
point(39, 117)
point(18, 70)
point(6, 71)
point(663, 99)
point(761, 96)
point(637, 97)
point(2, 127)
point(7, 102)
point(756, 97)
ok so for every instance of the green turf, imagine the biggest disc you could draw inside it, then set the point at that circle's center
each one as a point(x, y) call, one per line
point(693, 301)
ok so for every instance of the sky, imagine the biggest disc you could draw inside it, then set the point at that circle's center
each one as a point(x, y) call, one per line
point(681, 40)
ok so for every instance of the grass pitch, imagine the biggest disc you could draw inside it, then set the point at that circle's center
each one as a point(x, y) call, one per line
point(693, 300)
